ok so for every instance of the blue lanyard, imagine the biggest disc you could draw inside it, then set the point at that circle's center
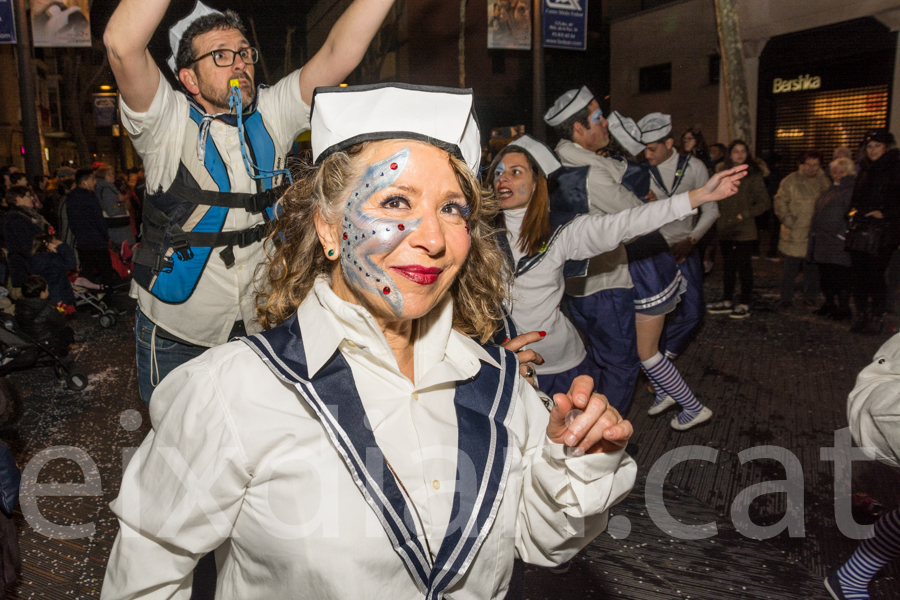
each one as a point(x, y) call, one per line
point(236, 103)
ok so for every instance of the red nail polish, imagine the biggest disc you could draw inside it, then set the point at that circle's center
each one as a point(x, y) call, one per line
point(543, 333)
point(506, 339)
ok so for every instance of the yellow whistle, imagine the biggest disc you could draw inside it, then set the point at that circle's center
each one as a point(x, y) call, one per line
point(235, 83)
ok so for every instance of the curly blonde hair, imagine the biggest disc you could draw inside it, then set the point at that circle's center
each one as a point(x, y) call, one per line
point(296, 257)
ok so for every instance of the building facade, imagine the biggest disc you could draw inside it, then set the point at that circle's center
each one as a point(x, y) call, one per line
point(819, 72)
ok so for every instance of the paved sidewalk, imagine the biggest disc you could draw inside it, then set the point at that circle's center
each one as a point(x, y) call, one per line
point(778, 378)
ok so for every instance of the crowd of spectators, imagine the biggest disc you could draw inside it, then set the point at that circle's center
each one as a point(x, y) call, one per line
point(54, 230)
point(832, 223)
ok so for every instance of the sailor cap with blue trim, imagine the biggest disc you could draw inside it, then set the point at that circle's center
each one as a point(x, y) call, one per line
point(634, 137)
point(567, 105)
point(445, 117)
point(539, 152)
point(177, 30)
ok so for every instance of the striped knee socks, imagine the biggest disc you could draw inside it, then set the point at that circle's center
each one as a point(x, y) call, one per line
point(665, 378)
point(660, 394)
point(871, 556)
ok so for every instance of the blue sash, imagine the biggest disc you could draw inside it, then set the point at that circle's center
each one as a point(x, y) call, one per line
point(484, 405)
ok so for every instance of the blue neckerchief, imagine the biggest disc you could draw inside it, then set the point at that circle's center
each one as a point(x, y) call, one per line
point(680, 171)
point(484, 406)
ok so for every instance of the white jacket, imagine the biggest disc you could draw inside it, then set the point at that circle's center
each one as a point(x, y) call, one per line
point(873, 407)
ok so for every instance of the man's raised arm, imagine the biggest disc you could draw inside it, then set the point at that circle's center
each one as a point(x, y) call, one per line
point(345, 47)
point(126, 38)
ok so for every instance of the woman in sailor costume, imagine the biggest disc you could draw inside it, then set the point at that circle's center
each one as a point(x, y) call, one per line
point(542, 238)
point(370, 429)
point(658, 283)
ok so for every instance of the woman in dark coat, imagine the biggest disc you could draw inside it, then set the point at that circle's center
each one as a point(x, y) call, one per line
point(826, 241)
point(20, 226)
point(876, 195)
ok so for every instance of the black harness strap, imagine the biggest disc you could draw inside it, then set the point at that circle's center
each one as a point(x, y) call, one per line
point(181, 241)
point(252, 203)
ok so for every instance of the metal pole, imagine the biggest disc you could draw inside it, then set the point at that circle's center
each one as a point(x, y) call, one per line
point(27, 97)
point(537, 46)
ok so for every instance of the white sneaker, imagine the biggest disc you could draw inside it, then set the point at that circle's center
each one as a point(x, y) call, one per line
point(704, 416)
point(741, 311)
point(665, 404)
point(719, 308)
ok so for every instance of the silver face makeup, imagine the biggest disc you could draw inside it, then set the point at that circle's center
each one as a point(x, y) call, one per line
point(364, 235)
point(597, 116)
point(500, 170)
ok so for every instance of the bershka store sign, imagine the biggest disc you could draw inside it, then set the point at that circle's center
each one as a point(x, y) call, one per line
point(801, 84)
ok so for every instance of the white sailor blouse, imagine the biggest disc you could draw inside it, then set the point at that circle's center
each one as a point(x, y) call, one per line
point(315, 469)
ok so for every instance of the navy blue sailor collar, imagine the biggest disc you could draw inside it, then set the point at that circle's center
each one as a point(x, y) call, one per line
point(484, 406)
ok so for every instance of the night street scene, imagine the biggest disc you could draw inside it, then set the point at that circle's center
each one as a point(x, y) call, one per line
point(510, 299)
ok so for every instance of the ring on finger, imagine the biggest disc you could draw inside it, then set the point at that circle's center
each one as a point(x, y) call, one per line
point(529, 371)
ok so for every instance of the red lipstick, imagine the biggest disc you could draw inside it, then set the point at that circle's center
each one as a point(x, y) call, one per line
point(419, 274)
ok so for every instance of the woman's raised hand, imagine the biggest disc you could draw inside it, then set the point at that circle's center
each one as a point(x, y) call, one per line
point(720, 186)
point(599, 427)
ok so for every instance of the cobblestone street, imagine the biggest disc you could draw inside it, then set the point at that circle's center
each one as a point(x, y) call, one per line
point(779, 378)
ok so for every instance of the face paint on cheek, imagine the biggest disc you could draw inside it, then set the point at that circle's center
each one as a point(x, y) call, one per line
point(364, 235)
point(523, 190)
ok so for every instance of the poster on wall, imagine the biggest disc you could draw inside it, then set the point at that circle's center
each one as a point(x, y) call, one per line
point(7, 27)
point(509, 24)
point(60, 23)
point(565, 24)
point(105, 110)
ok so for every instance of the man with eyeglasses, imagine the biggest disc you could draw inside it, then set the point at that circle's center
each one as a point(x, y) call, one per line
point(212, 178)
point(602, 302)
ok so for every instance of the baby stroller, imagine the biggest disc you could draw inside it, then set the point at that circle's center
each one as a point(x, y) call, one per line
point(18, 352)
point(85, 296)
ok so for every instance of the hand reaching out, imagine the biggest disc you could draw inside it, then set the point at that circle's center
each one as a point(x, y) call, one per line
point(720, 186)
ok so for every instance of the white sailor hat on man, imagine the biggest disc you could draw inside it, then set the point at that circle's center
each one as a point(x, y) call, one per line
point(567, 105)
point(177, 31)
point(539, 152)
point(343, 116)
point(655, 127)
point(634, 137)
point(626, 132)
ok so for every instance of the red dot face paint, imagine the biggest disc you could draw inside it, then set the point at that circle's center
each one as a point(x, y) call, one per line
point(367, 235)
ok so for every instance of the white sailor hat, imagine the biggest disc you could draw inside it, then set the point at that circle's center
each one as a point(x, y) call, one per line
point(655, 127)
point(626, 132)
point(177, 30)
point(634, 137)
point(567, 105)
point(444, 117)
point(539, 152)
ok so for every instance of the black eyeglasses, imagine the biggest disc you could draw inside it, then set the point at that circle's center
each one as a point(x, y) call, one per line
point(225, 58)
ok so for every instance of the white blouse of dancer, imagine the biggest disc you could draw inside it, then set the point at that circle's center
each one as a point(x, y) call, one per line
point(873, 407)
point(260, 482)
point(538, 292)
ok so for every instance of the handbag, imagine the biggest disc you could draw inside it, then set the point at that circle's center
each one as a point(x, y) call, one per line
point(865, 234)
